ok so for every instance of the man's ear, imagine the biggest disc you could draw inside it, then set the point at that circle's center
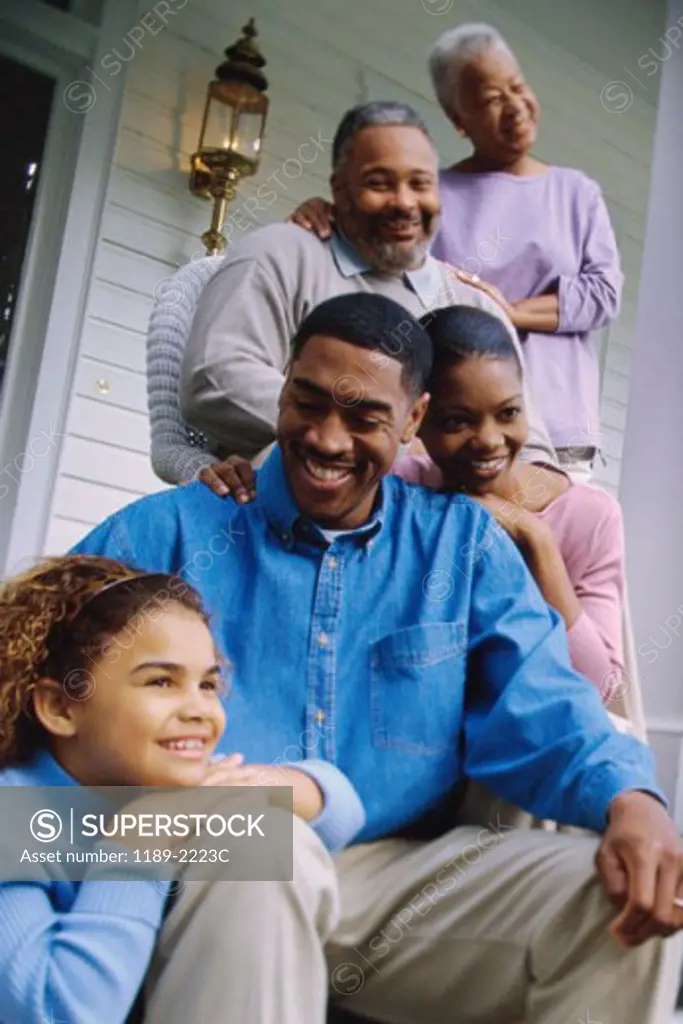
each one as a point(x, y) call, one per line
point(54, 708)
point(415, 418)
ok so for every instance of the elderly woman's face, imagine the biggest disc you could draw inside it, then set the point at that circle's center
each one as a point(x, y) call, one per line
point(497, 109)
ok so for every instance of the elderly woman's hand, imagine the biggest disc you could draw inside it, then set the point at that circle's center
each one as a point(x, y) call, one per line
point(489, 289)
point(314, 215)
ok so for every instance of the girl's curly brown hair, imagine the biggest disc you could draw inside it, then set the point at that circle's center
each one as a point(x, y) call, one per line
point(44, 635)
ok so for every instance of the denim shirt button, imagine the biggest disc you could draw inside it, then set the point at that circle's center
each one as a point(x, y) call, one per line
point(320, 716)
point(332, 562)
point(323, 640)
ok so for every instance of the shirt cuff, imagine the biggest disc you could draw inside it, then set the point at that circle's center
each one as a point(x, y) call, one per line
point(610, 784)
point(659, 797)
point(343, 814)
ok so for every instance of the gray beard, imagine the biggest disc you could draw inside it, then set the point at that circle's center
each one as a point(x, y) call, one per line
point(389, 259)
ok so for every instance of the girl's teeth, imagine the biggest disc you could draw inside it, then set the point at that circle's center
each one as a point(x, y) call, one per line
point(185, 744)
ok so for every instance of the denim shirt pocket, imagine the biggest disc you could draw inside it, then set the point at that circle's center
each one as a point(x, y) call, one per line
point(416, 687)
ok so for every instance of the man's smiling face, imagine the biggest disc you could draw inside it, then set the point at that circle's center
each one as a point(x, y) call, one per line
point(386, 196)
point(343, 415)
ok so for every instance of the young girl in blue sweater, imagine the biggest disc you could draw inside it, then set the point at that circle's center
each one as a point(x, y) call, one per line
point(109, 677)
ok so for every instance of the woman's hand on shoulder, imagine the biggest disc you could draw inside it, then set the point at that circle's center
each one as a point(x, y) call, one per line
point(488, 289)
point(524, 527)
point(314, 215)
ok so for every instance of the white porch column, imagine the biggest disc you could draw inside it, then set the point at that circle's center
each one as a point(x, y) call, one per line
point(652, 466)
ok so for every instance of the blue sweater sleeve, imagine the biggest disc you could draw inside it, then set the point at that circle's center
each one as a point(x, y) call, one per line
point(343, 814)
point(83, 964)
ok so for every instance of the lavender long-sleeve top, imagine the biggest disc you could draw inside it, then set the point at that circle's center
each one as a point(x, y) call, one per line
point(530, 236)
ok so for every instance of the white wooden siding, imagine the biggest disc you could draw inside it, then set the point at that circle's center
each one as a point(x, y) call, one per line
point(323, 57)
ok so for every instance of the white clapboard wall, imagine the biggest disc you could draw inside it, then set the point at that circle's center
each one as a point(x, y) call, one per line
point(322, 58)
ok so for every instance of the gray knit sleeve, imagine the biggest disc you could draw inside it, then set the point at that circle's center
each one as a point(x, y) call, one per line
point(178, 452)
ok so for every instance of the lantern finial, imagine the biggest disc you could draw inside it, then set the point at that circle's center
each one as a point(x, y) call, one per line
point(245, 60)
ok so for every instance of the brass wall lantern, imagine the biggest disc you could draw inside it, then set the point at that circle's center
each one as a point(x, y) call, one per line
point(232, 131)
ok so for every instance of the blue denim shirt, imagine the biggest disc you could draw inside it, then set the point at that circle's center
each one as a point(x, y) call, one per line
point(408, 652)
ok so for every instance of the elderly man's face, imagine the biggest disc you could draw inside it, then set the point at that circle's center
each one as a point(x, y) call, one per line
point(386, 196)
point(343, 414)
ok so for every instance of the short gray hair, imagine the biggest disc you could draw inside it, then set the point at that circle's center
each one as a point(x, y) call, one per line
point(368, 115)
point(452, 52)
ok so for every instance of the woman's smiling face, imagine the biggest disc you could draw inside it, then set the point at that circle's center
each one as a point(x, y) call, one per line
point(475, 425)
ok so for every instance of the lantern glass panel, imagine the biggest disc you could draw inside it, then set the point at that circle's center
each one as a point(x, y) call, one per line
point(234, 123)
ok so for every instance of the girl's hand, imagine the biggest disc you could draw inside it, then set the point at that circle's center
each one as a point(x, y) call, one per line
point(489, 289)
point(232, 771)
point(234, 476)
point(229, 771)
point(308, 799)
point(314, 215)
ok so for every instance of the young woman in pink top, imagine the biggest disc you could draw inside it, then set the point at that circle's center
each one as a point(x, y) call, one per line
point(570, 535)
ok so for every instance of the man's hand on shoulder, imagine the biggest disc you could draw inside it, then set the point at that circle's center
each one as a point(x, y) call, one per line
point(640, 862)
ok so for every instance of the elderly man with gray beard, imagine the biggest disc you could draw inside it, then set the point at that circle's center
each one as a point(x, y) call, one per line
point(386, 200)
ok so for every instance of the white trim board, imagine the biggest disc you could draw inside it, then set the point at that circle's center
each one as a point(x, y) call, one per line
point(53, 352)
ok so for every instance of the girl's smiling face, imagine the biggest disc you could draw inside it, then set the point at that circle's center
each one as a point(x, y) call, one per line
point(475, 425)
point(147, 713)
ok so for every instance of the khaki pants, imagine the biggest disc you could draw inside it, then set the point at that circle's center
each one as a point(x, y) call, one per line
point(484, 924)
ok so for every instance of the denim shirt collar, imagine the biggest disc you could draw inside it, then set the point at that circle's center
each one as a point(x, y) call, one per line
point(425, 281)
point(282, 513)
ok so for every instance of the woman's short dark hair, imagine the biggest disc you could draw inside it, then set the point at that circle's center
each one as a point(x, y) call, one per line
point(459, 333)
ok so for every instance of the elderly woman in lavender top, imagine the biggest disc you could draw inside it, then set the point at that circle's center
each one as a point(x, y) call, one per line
point(536, 237)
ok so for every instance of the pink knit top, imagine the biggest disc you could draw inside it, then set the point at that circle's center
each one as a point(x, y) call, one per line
point(587, 524)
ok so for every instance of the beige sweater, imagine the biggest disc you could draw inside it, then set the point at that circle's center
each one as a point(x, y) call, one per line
point(250, 310)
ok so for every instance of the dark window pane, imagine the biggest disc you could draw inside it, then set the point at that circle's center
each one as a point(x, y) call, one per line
point(63, 5)
point(25, 102)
